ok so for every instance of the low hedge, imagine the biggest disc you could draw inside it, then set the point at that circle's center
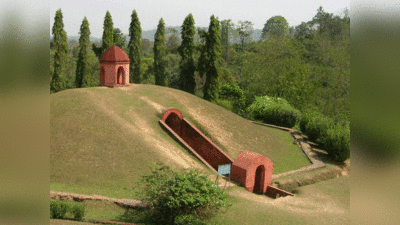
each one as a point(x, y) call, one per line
point(314, 125)
point(276, 111)
point(336, 142)
point(58, 210)
point(333, 138)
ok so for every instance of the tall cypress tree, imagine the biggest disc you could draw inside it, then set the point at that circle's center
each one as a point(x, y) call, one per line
point(135, 48)
point(186, 79)
point(108, 33)
point(60, 45)
point(83, 76)
point(210, 59)
point(159, 53)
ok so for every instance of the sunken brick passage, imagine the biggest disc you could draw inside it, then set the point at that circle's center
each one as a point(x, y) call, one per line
point(204, 147)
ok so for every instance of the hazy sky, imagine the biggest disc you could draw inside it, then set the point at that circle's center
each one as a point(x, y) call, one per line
point(174, 12)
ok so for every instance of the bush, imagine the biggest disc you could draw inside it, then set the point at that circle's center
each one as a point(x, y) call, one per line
point(315, 125)
point(170, 194)
point(78, 210)
point(58, 209)
point(337, 142)
point(276, 111)
point(235, 95)
point(224, 103)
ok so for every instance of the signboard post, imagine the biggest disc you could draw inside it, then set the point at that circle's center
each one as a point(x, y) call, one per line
point(224, 170)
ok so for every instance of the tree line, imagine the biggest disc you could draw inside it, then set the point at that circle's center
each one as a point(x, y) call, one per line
point(308, 65)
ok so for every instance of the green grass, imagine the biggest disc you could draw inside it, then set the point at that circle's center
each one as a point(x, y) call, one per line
point(102, 139)
point(307, 207)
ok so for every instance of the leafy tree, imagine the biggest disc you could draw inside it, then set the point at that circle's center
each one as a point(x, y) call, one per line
point(119, 39)
point(334, 27)
point(304, 31)
point(135, 48)
point(210, 59)
point(83, 77)
point(227, 28)
point(171, 194)
point(147, 47)
point(159, 54)
point(186, 50)
point(173, 40)
point(276, 26)
point(108, 33)
point(60, 46)
point(172, 70)
point(244, 29)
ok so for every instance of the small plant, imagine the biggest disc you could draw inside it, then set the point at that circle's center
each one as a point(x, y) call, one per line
point(78, 210)
point(170, 194)
point(58, 209)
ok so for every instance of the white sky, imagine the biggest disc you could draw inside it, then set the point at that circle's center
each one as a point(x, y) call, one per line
point(174, 12)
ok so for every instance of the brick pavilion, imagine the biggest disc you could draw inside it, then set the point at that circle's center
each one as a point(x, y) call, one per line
point(114, 68)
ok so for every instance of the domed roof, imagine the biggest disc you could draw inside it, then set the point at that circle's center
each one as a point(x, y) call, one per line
point(114, 54)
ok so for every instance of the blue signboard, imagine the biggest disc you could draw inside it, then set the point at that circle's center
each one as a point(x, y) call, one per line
point(224, 169)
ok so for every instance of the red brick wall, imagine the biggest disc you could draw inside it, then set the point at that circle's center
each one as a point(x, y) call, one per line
point(195, 139)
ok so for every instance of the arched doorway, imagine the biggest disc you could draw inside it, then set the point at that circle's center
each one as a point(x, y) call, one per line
point(102, 76)
point(174, 122)
point(120, 75)
point(259, 180)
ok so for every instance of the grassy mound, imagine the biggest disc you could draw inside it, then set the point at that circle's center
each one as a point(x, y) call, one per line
point(102, 139)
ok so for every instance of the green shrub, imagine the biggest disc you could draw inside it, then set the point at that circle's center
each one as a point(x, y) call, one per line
point(337, 142)
point(227, 104)
point(170, 194)
point(235, 95)
point(78, 210)
point(315, 125)
point(58, 209)
point(276, 111)
point(188, 220)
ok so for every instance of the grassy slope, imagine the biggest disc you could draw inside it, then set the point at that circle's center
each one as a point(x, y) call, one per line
point(326, 202)
point(102, 139)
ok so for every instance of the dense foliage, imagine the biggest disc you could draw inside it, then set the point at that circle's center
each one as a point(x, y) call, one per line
point(186, 51)
point(119, 39)
point(108, 33)
point(275, 27)
point(210, 59)
point(173, 194)
point(159, 54)
point(135, 49)
point(60, 47)
point(276, 111)
point(235, 95)
point(58, 210)
point(84, 76)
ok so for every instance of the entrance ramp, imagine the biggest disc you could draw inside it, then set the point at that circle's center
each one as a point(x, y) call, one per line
point(193, 139)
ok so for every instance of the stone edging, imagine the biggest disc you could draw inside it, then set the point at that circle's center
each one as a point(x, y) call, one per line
point(78, 197)
point(307, 149)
